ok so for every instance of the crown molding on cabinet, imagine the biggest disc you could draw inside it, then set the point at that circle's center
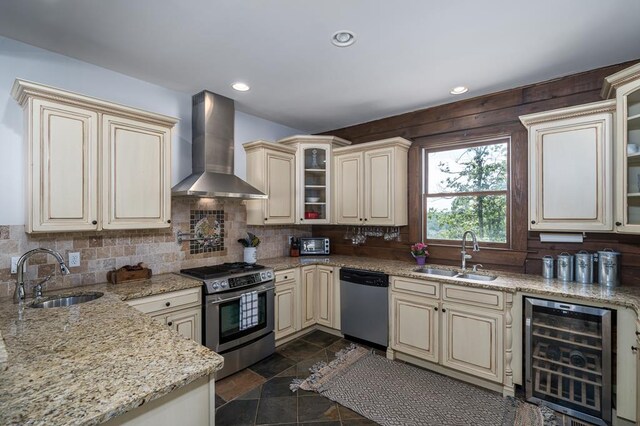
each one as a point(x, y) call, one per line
point(296, 139)
point(273, 146)
point(390, 142)
point(566, 113)
point(23, 90)
point(616, 80)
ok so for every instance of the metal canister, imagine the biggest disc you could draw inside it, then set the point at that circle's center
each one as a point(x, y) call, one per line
point(609, 268)
point(584, 267)
point(565, 267)
point(547, 266)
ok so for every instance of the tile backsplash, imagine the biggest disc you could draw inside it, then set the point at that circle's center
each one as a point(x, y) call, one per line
point(103, 251)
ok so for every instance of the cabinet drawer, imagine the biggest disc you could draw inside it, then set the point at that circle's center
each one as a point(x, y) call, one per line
point(421, 287)
point(473, 296)
point(285, 276)
point(167, 301)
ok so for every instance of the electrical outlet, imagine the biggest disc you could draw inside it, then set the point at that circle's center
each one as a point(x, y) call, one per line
point(290, 239)
point(74, 259)
point(14, 264)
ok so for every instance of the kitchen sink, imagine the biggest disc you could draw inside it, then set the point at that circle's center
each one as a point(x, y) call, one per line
point(477, 277)
point(435, 271)
point(68, 300)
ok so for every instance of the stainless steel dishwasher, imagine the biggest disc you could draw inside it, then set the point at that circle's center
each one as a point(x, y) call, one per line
point(364, 305)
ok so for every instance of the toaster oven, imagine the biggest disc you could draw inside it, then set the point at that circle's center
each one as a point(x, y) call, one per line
point(314, 246)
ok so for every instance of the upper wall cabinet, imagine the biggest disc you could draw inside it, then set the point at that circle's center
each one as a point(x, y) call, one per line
point(271, 169)
point(570, 168)
point(624, 86)
point(313, 176)
point(370, 182)
point(92, 164)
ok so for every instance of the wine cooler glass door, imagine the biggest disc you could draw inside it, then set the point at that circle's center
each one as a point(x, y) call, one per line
point(569, 358)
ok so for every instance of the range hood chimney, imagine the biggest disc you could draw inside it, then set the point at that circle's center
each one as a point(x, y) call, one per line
point(212, 123)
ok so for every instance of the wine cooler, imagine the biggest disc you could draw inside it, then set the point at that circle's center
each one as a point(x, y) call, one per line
point(568, 359)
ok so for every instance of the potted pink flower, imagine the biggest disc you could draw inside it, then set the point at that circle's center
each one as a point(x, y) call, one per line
point(419, 252)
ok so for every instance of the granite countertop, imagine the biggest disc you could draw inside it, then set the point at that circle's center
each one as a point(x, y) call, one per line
point(87, 363)
point(530, 284)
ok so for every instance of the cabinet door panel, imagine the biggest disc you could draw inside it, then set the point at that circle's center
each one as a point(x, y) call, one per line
point(281, 188)
point(136, 174)
point(64, 171)
point(187, 323)
point(348, 188)
point(473, 341)
point(325, 295)
point(308, 296)
point(571, 174)
point(285, 310)
point(414, 328)
point(378, 194)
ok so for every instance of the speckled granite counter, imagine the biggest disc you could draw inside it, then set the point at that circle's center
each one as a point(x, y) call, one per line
point(90, 362)
point(531, 284)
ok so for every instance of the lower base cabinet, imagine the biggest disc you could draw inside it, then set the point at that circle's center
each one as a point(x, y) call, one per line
point(287, 303)
point(414, 326)
point(460, 336)
point(179, 310)
point(472, 341)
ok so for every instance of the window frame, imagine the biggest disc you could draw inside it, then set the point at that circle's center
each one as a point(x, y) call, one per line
point(462, 144)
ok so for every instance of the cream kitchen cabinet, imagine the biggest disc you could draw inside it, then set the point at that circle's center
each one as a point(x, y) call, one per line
point(136, 178)
point(457, 327)
point(624, 86)
point(370, 182)
point(571, 168)
point(287, 304)
point(179, 310)
point(73, 185)
point(313, 176)
point(320, 296)
point(271, 169)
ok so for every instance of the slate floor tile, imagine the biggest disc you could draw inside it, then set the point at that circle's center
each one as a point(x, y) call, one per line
point(237, 413)
point(277, 387)
point(299, 350)
point(317, 408)
point(252, 394)
point(320, 338)
point(272, 365)
point(277, 410)
point(219, 401)
point(347, 414)
point(238, 384)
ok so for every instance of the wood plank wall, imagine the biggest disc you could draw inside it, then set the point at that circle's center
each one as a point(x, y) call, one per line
point(491, 115)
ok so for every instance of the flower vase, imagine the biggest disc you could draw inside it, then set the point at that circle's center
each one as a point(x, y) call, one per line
point(420, 260)
point(250, 254)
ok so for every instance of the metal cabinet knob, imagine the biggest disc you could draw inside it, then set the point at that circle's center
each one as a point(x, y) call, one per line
point(167, 304)
point(94, 222)
point(618, 223)
point(169, 221)
point(435, 309)
point(444, 310)
point(170, 323)
point(533, 222)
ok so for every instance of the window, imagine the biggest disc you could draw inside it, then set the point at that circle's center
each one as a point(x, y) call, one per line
point(466, 188)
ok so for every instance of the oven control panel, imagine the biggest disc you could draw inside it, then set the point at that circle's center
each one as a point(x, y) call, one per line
point(232, 282)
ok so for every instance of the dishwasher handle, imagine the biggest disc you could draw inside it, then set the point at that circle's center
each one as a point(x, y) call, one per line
point(369, 278)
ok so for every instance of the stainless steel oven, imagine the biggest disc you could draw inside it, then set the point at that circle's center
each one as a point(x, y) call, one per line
point(230, 293)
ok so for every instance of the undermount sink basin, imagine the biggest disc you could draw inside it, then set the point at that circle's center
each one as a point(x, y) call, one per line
point(62, 301)
point(477, 277)
point(435, 271)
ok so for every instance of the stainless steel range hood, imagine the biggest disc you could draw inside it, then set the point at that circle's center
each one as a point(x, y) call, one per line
point(212, 122)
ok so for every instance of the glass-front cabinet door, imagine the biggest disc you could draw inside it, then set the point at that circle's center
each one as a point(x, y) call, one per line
point(313, 179)
point(315, 161)
point(625, 86)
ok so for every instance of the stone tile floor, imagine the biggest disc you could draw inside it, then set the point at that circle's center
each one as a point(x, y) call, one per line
point(260, 395)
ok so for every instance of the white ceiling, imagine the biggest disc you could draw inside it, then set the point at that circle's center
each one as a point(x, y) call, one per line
point(408, 54)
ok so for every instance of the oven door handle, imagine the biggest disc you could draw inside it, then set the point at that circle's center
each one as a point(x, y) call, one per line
point(231, 299)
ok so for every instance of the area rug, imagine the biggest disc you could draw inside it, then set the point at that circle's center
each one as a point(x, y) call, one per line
point(398, 394)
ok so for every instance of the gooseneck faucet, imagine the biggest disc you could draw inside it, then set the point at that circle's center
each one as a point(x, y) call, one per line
point(19, 293)
point(464, 254)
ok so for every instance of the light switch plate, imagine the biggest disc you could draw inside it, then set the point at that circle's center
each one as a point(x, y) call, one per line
point(14, 264)
point(74, 259)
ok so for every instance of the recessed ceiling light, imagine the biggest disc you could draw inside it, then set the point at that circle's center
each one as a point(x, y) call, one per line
point(343, 38)
point(459, 90)
point(240, 86)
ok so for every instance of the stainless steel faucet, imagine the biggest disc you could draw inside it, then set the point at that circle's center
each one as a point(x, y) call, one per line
point(19, 293)
point(464, 254)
